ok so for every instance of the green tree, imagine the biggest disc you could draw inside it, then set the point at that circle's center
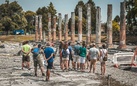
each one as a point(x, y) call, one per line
point(84, 14)
point(116, 27)
point(29, 15)
point(6, 24)
point(83, 24)
point(93, 14)
point(117, 19)
point(51, 9)
point(81, 3)
point(12, 16)
point(131, 8)
point(44, 12)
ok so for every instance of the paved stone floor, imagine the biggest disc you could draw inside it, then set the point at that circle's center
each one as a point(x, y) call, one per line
point(12, 75)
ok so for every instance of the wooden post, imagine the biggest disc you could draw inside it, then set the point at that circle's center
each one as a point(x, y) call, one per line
point(122, 44)
point(54, 28)
point(49, 27)
point(88, 24)
point(36, 28)
point(109, 26)
point(66, 28)
point(60, 26)
point(98, 26)
point(72, 26)
point(40, 28)
point(80, 24)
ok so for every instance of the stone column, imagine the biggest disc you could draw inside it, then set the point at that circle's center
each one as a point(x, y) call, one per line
point(49, 27)
point(66, 28)
point(40, 28)
point(36, 28)
point(88, 24)
point(80, 23)
point(44, 36)
point(109, 26)
point(60, 26)
point(122, 44)
point(54, 28)
point(72, 26)
point(98, 26)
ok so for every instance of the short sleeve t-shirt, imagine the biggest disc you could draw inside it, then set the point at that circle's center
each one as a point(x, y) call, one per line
point(26, 48)
point(83, 52)
point(93, 53)
point(48, 51)
point(76, 49)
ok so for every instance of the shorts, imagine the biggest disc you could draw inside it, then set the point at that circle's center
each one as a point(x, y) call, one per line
point(103, 63)
point(65, 58)
point(50, 65)
point(76, 58)
point(25, 58)
point(82, 59)
point(37, 61)
point(93, 61)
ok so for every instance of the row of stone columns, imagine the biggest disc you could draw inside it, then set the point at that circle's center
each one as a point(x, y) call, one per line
point(38, 28)
point(122, 44)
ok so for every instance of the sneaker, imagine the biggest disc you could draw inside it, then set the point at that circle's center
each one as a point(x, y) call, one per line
point(47, 79)
point(35, 74)
point(43, 74)
point(29, 68)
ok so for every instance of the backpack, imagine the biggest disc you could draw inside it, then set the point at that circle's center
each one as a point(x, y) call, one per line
point(77, 51)
point(64, 53)
point(35, 51)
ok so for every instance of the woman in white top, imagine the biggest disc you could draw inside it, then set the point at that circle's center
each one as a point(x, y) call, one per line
point(103, 52)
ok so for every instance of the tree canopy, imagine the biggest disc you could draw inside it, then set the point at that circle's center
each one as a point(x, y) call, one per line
point(12, 17)
point(84, 14)
point(131, 8)
point(44, 12)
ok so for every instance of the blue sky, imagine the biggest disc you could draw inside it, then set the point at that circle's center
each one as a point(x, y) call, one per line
point(68, 6)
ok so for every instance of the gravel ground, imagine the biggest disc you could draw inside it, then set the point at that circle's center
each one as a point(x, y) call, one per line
point(11, 73)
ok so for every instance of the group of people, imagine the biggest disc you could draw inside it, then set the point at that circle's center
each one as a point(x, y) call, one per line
point(82, 56)
point(74, 56)
point(37, 52)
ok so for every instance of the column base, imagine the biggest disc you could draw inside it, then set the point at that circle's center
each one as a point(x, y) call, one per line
point(122, 46)
point(98, 45)
point(110, 46)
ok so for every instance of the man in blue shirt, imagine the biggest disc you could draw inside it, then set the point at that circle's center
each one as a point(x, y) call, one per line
point(49, 58)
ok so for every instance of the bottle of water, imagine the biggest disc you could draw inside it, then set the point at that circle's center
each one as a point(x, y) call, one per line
point(45, 63)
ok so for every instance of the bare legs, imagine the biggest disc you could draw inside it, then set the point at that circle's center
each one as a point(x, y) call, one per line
point(65, 64)
point(103, 68)
point(78, 65)
point(47, 75)
point(92, 63)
